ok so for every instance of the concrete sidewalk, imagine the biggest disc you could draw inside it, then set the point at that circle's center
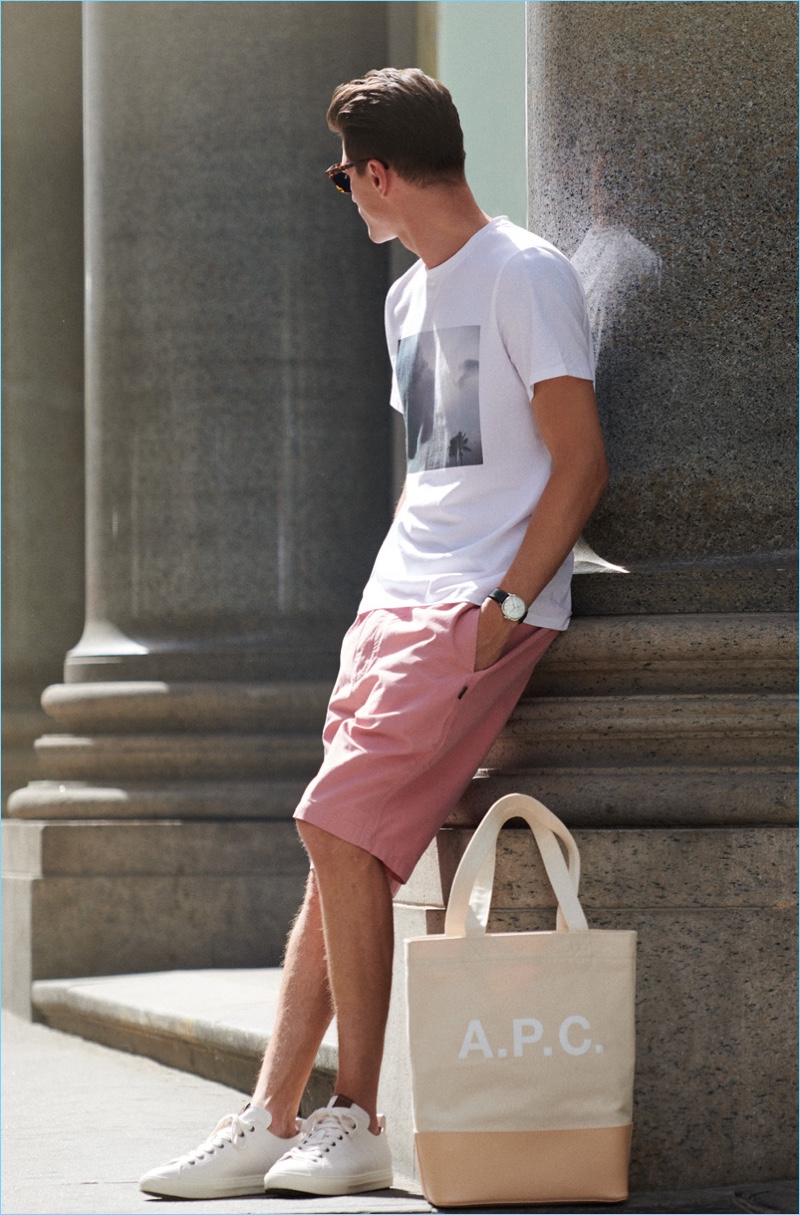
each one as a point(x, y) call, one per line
point(82, 1122)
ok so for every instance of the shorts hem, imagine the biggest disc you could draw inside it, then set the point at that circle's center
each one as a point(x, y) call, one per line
point(305, 814)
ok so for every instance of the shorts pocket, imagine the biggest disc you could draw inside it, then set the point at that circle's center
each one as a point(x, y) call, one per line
point(465, 636)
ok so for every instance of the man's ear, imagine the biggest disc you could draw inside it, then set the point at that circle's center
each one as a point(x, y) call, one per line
point(382, 177)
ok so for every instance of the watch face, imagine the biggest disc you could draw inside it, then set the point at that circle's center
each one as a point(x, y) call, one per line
point(514, 608)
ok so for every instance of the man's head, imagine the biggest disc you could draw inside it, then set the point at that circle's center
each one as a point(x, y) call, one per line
point(406, 120)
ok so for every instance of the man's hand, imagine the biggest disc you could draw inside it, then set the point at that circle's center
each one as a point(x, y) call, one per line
point(494, 632)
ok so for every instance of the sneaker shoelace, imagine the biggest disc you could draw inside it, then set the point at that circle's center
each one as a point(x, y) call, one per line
point(324, 1129)
point(230, 1129)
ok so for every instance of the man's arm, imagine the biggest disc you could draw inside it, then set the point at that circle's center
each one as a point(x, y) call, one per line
point(566, 414)
point(400, 500)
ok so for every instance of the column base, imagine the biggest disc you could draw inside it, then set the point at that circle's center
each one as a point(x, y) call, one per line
point(103, 898)
point(22, 725)
point(160, 837)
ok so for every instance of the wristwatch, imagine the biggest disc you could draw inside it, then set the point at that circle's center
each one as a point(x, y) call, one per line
point(512, 607)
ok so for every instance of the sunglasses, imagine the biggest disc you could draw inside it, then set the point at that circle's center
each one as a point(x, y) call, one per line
point(341, 178)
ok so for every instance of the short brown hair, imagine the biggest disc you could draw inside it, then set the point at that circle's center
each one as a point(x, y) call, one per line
point(404, 118)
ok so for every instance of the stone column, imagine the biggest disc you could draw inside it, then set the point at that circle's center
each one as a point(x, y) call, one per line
point(235, 351)
point(662, 159)
point(662, 727)
point(238, 485)
point(43, 574)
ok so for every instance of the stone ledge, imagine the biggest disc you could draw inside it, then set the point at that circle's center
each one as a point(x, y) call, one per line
point(154, 848)
point(102, 897)
point(215, 1023)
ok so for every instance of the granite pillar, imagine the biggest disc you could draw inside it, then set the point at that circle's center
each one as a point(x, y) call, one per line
point(662, 159)
point(662, 727)
point(238, 470)
point(236, 366)
point(43, 492)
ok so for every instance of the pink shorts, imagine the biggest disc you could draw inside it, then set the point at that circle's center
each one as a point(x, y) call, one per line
point(408, 724)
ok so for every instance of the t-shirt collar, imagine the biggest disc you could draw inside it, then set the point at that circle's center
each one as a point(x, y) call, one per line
point(439, 272)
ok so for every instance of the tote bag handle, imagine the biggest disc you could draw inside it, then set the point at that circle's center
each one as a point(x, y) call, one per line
point(471, 893)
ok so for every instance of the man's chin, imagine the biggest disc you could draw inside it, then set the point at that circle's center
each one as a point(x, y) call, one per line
point(379, 237)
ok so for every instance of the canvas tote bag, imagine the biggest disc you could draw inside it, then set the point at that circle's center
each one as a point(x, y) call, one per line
point(521, 1043)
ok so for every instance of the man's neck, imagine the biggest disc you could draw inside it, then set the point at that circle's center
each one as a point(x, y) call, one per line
point(439, 221)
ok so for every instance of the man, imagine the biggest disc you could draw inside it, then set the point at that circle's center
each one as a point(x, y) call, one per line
point(491, 352)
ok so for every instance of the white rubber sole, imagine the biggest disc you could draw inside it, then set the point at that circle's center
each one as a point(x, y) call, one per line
point(331, 1187)
point(167, 1187)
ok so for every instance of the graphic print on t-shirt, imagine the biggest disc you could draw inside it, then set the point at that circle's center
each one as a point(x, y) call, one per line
point(437, 374)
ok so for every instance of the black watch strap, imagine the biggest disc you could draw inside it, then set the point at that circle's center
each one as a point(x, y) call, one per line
point(500, 596)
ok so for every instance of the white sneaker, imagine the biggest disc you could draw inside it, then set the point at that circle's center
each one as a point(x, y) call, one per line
point(231, 1162)
point(337, 1154)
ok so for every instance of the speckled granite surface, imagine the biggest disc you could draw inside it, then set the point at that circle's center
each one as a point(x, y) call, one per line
point(229, 376)
point(662, 146)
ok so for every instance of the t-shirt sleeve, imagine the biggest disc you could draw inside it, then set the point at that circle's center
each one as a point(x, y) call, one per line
point(542, 317)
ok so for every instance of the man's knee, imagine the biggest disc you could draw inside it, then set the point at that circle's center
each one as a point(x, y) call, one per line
point(315, 840)
point(327, 850)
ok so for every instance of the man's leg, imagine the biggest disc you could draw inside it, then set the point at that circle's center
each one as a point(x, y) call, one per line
point(304, 1013)
point(345, 1149)
point(359, 934)
point(263, 1131)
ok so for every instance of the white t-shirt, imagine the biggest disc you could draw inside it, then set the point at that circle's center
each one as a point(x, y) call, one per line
point(468, 340)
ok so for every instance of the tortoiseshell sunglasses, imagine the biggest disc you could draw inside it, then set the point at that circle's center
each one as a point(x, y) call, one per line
point(341, 178)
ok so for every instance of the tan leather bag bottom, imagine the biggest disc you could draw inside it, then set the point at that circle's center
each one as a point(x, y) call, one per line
point(471, 1168)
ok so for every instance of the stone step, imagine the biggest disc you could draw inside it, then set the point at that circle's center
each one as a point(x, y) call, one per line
point(110, 896)
point(214, 1023)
